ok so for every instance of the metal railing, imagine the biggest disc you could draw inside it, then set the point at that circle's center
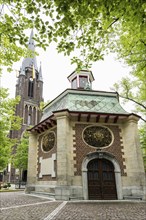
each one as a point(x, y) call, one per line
point(20, 185)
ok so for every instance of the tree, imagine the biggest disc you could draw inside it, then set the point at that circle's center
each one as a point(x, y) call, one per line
point(142, 132)
point(92, 28)
point(20, 158)
point(131, 47)
point(88, 26)
point(8, 121)
point(134, 89)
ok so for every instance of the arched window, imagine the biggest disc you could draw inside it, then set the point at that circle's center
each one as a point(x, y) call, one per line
point(34, 116)
point(30, 116)
point(30, 87)
point(26, 114)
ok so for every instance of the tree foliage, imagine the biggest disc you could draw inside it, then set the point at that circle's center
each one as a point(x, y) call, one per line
point(87, 26)
point(20, 158)
point(92, 28)
point(134, 89)
point(142, 132)
point(8, 121)
point(131, 47)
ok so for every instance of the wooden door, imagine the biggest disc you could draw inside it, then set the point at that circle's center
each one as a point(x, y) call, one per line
point(101, 180)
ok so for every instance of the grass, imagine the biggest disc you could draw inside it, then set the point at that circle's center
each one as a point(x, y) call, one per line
point(10, 190)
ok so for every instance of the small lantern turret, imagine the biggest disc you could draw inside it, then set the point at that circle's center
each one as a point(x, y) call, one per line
point(81, 80)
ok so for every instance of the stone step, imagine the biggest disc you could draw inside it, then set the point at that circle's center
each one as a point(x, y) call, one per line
point(43, 194)
point(133, 197)
point(75, 198)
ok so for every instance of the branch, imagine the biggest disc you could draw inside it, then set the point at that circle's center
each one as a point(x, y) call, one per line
point(113, 22)
point(143, 119)
point(2, 8)
point(142, 42)
point(138, 61)
point(130, 99)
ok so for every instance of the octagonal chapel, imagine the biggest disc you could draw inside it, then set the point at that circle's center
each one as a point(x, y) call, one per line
point(86, 146)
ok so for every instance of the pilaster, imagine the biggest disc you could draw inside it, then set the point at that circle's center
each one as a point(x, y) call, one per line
point(62, 190)
point(133, 154)
point(32, 159)
point(63, 139)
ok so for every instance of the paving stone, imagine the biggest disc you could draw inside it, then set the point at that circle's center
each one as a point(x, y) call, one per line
point(20, 206)
point(97, 211)
point(18, 198)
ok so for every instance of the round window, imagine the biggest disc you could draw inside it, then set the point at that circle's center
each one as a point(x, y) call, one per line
point(48, 141)
point(97, 136)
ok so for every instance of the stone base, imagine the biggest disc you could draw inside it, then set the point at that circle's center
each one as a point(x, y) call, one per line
point(45, 188)
point(68, 193)
point(29, 189)
point(134, 192)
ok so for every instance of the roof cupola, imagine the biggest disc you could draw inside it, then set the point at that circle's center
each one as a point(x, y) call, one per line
point(81, 80)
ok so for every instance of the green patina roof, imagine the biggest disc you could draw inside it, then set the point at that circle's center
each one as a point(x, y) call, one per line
point(85, 101)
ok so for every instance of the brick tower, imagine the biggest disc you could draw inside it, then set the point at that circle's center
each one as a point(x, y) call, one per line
point(29, 87)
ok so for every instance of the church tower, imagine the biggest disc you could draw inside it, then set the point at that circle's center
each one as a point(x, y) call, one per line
point(29, 87)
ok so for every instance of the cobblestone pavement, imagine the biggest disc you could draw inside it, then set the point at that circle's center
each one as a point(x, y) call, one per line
point(103, 211)
point(20, 206)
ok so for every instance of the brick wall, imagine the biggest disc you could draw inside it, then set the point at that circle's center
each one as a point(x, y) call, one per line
point(81, 149)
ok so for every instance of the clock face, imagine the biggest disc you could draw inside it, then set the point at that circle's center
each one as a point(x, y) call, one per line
point(97, 136)
point(48, 141)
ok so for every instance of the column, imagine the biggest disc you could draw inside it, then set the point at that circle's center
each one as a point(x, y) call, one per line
point(134, 182)
point(32, 163)
point(62, 190)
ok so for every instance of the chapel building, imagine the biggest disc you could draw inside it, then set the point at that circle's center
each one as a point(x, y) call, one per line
point(86, 146)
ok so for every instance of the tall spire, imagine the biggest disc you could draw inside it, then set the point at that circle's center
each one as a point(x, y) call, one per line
point(40, 77)
point(30, 61)
point(31, 44)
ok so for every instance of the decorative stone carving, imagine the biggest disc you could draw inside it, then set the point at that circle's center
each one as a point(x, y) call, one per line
point(97, 136)
point(48, 141)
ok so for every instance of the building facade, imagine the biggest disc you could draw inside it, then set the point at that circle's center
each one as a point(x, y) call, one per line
point(86, 146)
point(29, 87)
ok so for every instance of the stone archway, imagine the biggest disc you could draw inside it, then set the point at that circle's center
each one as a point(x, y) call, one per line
point(117, 171)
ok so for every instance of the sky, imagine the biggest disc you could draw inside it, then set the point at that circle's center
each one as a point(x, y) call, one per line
point(57, 67)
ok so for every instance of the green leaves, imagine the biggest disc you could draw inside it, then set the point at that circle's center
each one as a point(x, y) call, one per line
point(77, 25)
point(133, 89)
point(10, 52)
point(20, 158)
point(8, 121)
point(142, 134)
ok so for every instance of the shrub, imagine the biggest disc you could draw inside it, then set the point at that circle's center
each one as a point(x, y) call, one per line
point(9, 184)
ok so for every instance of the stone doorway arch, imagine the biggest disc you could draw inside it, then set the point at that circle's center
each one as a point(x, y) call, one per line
point(117, 171)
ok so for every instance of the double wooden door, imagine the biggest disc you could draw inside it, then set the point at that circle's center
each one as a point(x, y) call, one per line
point(101, 180)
